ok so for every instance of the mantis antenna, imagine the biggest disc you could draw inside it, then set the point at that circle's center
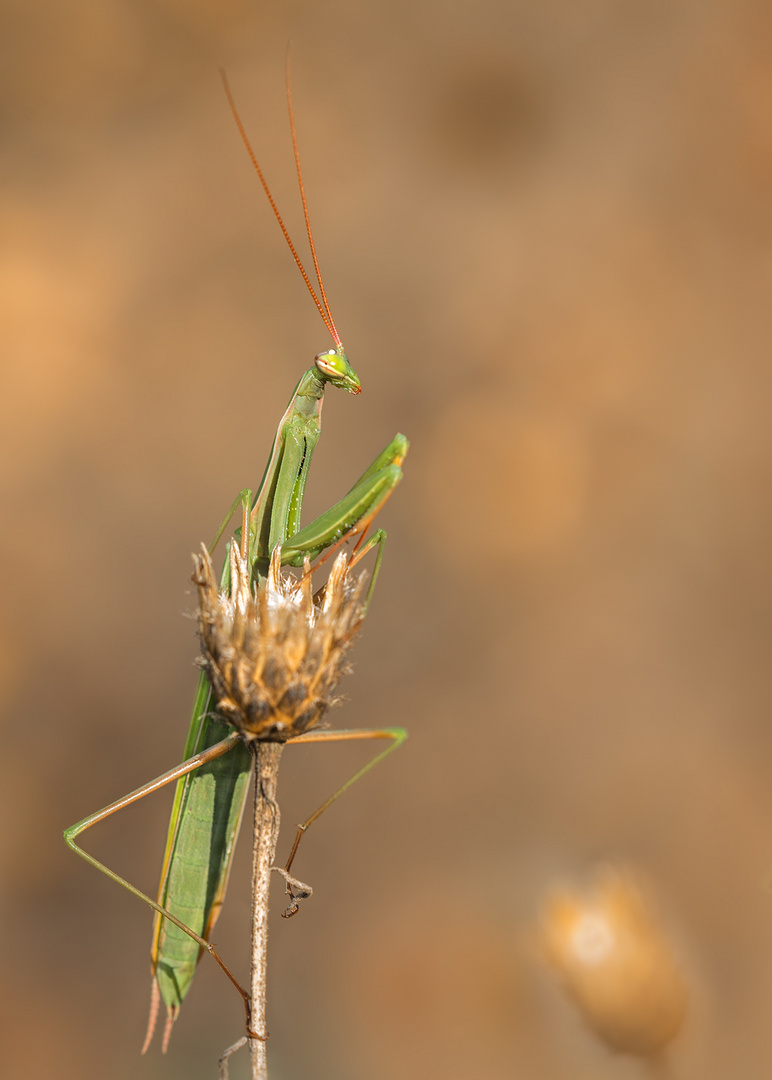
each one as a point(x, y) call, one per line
point(322, 305)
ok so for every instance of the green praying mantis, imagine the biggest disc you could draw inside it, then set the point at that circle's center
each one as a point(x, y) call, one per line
point(213, 779)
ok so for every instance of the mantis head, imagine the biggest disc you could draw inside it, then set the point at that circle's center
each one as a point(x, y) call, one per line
point(334, 367)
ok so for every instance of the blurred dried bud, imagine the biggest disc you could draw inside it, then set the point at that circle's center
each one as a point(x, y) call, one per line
point(616, 964)
point(274, 656)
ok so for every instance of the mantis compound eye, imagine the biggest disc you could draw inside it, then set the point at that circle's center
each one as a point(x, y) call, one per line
point(334, 365)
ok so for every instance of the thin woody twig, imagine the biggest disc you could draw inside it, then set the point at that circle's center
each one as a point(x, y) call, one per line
point(266, 834)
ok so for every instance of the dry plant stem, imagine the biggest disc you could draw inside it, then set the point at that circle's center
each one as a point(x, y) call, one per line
point(266, 833)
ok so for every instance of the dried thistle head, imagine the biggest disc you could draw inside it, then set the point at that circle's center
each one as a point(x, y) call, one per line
point(615, 962)
point(274, 655)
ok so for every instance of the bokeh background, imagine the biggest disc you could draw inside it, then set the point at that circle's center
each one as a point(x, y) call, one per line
point(545, 229)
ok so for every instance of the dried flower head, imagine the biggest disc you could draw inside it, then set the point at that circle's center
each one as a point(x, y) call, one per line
point(274, 655)
point(616, 964)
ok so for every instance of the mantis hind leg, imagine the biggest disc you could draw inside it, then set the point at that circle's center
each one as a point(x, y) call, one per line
point(74, 831)
point(397, 737)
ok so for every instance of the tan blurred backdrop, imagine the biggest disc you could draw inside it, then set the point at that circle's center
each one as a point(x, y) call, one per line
point(545, 228)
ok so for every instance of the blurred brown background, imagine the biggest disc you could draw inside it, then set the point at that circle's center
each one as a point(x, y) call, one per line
point(545, 229)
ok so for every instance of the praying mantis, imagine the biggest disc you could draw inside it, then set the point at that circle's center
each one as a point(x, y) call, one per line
point(213, 778)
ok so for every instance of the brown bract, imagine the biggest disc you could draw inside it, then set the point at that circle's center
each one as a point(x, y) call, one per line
point(274, 655)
